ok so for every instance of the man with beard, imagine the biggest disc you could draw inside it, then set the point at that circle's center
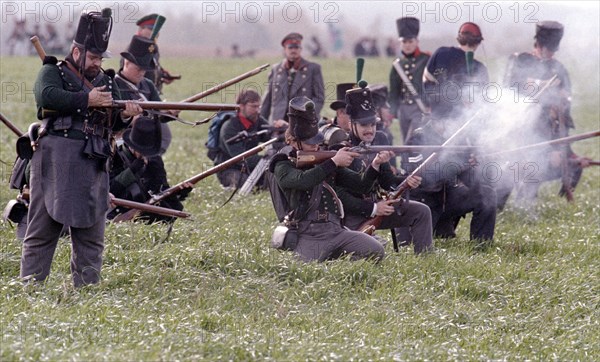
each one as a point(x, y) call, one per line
point(246, 120)
point(69, 178)
point(293, 77)
point(361, 206)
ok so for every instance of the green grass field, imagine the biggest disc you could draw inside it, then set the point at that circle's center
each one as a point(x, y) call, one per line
point(216, 291)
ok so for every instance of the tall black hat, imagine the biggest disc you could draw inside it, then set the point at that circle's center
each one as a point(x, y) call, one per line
point(408, 27)
point(340, 101)
point(94, 31)
point(303, 121)
point(549, 34)
point(141, 52)
point(359, 104)
point(144, 136)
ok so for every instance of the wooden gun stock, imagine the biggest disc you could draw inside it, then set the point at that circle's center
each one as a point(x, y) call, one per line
point(138, 206)
point(309, 158)
point(132, 214)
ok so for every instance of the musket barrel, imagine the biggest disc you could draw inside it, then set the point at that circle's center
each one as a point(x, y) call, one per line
point(11, 125)
point(226, 84)
point(557, 141)
point(180, 106)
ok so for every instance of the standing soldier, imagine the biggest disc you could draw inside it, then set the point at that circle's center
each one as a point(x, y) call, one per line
point(532, 70)
point(69, 178)
point(293, 77)
point(158, 75)
point(412, 63)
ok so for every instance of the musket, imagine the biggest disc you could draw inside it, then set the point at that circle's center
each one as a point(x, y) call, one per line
point(226, 84)
point(309, 158)
point(371, 224)
point(557, 141)
point(11, 125)
point(181, 106)
point(130, 205)
point(132, 214)
point(140, 206)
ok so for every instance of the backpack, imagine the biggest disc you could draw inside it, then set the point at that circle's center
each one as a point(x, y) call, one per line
point(280, 203)
point(214, 132)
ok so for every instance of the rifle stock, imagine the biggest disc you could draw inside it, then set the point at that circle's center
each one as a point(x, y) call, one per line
point(138, 206)
point(132, 214)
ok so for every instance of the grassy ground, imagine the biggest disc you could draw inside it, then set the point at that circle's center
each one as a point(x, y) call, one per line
point(215, 291)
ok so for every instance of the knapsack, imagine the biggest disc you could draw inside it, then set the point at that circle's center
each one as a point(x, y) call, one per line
point(214, 132)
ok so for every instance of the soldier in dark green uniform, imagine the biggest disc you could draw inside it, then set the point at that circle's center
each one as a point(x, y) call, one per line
point(158, 75)
point(412, 61)
point(131, 82)
point(139, 172)
point(361, 206)
point(311, 192)
point(529, 71)
point(69, 178)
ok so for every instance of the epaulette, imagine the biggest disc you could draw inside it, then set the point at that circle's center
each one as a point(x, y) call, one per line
point(48, 59)
point(283, 154)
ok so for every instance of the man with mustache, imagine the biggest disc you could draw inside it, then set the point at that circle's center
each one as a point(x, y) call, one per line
point(69, 178)
point(293, 77)
point(360, 207)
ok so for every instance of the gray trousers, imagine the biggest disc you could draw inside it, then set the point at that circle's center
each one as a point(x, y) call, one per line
point(412, 216)
point(42, 237)
point(410, 117)
point(328, 240)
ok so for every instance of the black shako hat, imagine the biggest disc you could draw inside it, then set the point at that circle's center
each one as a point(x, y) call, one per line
point(141, 52)
point(144, 136)
point(340, 101)
point(548, 34)
point(360, 106)
point(408, 27)
point(94, 31)
point(303, 121)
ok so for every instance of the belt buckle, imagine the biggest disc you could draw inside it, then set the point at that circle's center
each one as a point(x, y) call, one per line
point(324, 217)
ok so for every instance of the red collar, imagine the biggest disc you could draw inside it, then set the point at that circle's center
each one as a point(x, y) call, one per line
point(296, 65)
point(415, 54)
point(245, 121)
